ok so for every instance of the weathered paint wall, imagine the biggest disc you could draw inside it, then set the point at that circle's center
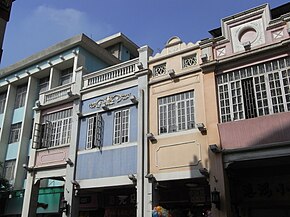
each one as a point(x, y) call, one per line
point(118, 159)
point(256, 131)
point(181, 150)
point(107, 163)
point(185, 150)
point(56, 156)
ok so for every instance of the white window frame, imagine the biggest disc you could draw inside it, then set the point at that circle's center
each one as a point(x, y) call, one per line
point(20, 96)
point(94, 131)
point(15, 133)
point(121, 126)
point(176, 112)
point(57, 128)
point(271, 88)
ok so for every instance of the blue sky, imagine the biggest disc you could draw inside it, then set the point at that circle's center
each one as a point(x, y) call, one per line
point(37, 24)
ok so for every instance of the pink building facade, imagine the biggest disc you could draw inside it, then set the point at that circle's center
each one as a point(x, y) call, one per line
point(252, 69)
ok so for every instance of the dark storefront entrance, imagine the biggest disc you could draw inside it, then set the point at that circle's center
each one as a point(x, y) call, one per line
point(190, 197)
point(119, 202)
point(260, 188)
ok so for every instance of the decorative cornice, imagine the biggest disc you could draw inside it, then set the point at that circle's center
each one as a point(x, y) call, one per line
point(109, 100)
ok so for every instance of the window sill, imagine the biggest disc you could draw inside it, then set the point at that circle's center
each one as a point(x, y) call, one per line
point(107, 148)
point(54, 147)
point(178, 133)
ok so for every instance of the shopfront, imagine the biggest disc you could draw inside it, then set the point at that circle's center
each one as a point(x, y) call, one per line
point(260, 188)
point(189, 197)
point(119, 202)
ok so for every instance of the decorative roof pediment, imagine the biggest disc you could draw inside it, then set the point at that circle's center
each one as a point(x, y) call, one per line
point(174, 45)
point(247, 28)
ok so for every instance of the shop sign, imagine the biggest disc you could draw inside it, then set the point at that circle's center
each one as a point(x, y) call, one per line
point(265, 189)
point(121, 200)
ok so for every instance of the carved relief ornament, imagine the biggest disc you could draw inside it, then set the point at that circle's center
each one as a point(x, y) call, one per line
point(109, 100)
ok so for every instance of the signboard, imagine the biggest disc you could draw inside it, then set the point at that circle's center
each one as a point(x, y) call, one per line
point(266, 189)
point(120, 200)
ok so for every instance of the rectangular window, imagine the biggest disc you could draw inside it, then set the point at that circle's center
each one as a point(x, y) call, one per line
point(121, 126)
point(66, 76)
point(9, 168)
point(43, 84)
point(94, 131)
point(20, 96)
point(15, 132)
point(255, 91)
point(176, 112)
point(56, 128)
point(2, 102)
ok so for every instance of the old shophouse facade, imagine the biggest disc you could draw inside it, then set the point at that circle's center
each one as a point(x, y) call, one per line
point(109, 129)
point(182, 125)
point(251, 65)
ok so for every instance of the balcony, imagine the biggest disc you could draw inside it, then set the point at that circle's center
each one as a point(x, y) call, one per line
point(55, 95)
point(110, 74)
point(251, 133)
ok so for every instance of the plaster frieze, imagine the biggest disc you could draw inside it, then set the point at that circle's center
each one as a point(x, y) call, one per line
point(109, 100)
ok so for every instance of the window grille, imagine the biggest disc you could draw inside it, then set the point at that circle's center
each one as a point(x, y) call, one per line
point(20, 96)
point(189, 61)
point(255, 91)
point(56, 128)
point(121, 126)
point(15, 132)
point(176, 112)
point(95, 126)
point(159, 70)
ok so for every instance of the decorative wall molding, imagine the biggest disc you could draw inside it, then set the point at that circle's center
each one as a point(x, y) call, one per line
point(109, 100)
point(164, 155)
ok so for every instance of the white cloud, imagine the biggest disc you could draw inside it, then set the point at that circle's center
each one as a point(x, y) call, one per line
point(69, 20)
point(44, 27)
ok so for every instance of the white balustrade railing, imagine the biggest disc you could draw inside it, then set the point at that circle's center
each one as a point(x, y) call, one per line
point(57, 93)
point(111, 73)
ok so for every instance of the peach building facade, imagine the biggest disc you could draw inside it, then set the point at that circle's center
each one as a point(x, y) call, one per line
point(182, 125)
